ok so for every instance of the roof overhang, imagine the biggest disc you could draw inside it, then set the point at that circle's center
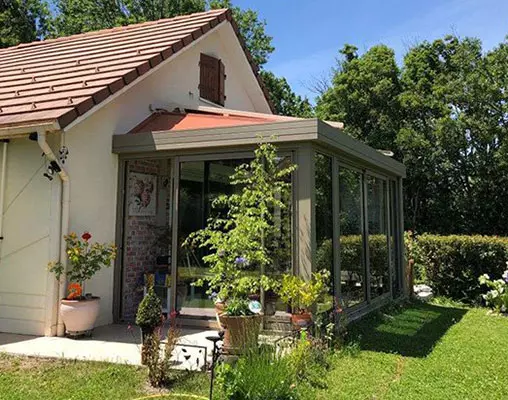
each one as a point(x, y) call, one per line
point(296, 131)
point(23, 130)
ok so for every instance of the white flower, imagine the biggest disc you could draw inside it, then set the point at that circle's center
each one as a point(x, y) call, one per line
point(505, 276)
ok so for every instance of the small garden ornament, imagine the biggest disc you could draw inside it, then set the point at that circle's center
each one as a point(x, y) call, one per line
point(79, 311)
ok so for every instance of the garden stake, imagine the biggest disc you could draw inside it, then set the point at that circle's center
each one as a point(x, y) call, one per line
point(215, 357)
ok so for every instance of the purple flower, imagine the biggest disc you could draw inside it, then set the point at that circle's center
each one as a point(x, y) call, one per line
point(240, 260)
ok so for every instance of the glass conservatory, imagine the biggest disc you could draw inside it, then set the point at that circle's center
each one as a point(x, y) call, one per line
point(344, 213)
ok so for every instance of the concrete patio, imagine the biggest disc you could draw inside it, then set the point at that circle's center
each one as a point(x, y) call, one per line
point(111, 343)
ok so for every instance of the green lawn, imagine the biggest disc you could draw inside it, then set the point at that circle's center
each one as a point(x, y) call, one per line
point(28, 378)
point(420, 352)
point(424, 352)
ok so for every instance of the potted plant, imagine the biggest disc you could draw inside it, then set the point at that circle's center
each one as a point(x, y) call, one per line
point(149, 318)
point(302, 295)
point(238, 242)
point(79, 311)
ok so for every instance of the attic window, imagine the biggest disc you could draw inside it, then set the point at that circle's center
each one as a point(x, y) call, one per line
point(211, 79)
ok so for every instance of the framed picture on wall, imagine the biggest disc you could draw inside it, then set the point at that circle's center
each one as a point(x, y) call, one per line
point(142, 194)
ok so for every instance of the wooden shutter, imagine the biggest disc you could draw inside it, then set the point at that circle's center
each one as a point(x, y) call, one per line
point(222, 78)
point(211, 79)
point(209, 73)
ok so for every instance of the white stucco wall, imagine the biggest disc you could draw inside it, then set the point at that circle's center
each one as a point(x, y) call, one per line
point(26, 247)
point(92, 167)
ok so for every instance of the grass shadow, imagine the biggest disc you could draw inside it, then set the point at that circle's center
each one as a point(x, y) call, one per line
point(412, 331)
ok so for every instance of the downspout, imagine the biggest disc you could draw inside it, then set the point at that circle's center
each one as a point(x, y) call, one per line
point(2, 186)
point(64, 224)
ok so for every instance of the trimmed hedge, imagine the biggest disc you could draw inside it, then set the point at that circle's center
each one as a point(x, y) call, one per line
point(452, 264)
point(351, 253)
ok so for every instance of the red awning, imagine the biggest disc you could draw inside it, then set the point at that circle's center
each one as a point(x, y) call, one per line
point(168, 121)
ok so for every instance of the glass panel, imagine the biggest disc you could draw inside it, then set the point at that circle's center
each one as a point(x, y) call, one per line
point(324, 216)
point(280, 246)
point(147, 247)
point(378, 236)
point(352, 266)
point(394, 244)
point(200, 183)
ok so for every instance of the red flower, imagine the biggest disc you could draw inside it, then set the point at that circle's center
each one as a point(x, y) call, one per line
point(75, 291)
point(86, 236)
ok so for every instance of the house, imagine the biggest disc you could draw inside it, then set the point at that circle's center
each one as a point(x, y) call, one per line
point(128, 133)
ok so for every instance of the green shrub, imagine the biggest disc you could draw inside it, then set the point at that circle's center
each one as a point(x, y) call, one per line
point(497, 296)
point(309, 360)
point(454, 263)
point(149, 314)
point(259, 375)
point(282, 373)
point(159, 362)
point(351, 248)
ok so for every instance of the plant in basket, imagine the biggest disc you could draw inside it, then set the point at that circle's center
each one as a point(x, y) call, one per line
point(78, 310)
point(239, 243)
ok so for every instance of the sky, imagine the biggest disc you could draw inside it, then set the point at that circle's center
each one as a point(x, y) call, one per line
point(308, 34)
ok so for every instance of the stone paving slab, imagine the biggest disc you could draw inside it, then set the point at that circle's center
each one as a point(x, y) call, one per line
point(111, 343)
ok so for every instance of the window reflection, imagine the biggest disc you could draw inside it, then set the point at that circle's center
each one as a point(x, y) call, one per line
point(324, 217)
point(394, 243)
point(352, 274)
point(378, 236)
point(201, 182)
point(280, 245)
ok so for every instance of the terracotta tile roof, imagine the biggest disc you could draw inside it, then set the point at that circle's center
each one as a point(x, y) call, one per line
point(173, 121)
point(61, 79)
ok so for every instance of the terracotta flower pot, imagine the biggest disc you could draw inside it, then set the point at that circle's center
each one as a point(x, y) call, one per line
point(241, 333)
point(301, 320)
point(79, 315)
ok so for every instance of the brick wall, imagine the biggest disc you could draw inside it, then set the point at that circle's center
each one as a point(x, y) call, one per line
point(146, 237)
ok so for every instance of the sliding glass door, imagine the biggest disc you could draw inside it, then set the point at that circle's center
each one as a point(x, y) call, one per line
point(364, 236)
point(200, 183)
point(377, 219)
point(351, 245)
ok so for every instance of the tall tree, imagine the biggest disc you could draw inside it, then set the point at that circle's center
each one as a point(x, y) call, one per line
point(78, 16)
point(22, 21)
point(454, 135)
point(285, 101)
point(364, 95)
point(445, 115)
point(252, 29)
